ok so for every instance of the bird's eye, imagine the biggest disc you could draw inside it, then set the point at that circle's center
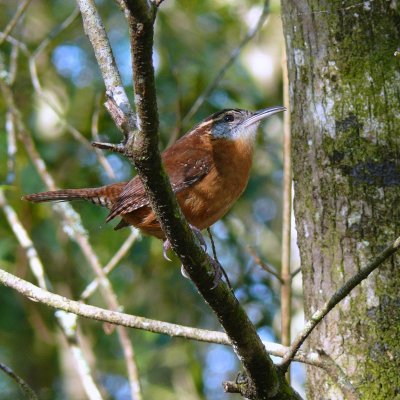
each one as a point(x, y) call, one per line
point(229, 118)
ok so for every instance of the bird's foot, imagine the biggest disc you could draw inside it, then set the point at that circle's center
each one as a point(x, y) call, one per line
point(218, 271)
point(199, 236)
point(197, 233)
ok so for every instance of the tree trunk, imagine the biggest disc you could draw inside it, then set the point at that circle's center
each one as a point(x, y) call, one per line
point(344, 94)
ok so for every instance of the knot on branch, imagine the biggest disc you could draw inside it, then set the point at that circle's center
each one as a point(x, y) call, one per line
point(242, 385)
point(119, 109)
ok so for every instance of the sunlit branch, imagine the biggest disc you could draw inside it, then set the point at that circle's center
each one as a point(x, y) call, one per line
point(68, 323)
point(271, 270)
point(97, 34)
point(34, 293)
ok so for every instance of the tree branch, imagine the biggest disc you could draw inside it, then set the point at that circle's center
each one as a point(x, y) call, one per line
point(96, 32)
point(338, 296)
point(34, 293)
point(28, 391)
point(263, 379)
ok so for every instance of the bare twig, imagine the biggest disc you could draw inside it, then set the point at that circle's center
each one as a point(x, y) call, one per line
point(338, 296)
point(96, 117)
point(14, 21)
point(12, 73)
point(55, 32)
point(232, 58)
point(53, 300)
point(295, 272)
point(94, 28)
point(214, 250)
point(271, 270)
point(11, 147)
point(68, 323)
point(27, 390)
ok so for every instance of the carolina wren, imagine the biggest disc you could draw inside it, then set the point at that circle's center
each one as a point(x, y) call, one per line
point(208, 168)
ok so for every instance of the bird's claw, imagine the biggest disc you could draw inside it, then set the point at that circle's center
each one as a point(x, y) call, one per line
point(217, 272)
point(166, 247)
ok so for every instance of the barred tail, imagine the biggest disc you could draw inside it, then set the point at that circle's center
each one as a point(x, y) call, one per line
point(104, 196)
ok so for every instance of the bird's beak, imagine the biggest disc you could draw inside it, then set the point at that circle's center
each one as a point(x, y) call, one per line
point(261, 114)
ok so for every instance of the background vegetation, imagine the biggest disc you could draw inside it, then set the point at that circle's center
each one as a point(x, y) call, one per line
point(193, 42)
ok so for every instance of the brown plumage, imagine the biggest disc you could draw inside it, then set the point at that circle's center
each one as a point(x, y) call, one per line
point(208, 168)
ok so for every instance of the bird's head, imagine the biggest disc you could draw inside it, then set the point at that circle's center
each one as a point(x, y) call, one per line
point(233, 124)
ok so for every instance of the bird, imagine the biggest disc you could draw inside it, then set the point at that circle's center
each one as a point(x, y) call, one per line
point(208, 167)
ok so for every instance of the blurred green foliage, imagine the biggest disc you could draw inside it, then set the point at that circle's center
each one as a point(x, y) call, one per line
point(193, 41)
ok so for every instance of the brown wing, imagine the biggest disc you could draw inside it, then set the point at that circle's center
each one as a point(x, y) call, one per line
point(187, 161)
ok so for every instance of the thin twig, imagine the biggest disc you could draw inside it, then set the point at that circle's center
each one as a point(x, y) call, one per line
point(214, 250)
point(55, 32)
point(296, 271)
point(232, 58)
point(95, 117)
point(11, 148)
point(28, 391)
point(14, 21)
point(338, 296)
point(271, 270)
point(286, 287)
point(12, 73)
point(68, 324)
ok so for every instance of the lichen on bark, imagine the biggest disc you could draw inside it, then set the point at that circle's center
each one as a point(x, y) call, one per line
point(344, 95)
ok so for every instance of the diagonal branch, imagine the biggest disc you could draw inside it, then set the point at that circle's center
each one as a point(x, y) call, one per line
point(27, 390)
point(14, 21)
point(263, 378)
point(338, 296)
point(96, 32)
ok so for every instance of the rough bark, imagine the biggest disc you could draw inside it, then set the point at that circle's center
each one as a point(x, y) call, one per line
point(344, 95)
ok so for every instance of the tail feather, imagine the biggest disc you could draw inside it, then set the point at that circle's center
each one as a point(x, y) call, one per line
point(104, 196)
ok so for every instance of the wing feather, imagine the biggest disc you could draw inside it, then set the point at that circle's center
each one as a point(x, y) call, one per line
point(186, 162)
